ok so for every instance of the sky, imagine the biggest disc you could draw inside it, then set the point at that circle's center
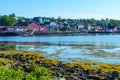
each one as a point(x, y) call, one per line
point(74, 9)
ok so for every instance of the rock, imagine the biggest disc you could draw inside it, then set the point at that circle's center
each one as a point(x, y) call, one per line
point(60, 64)
point(116, 79)
point(115, 74)
point(60, 74)
point(94, 77)
point(61, 79)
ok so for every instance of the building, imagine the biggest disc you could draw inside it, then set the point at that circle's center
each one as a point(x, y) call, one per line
point(33, 26)
point(37, 28)
point(41, 19)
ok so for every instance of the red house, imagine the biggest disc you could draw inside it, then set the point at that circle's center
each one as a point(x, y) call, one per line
point(37, 28)
point(44, 29)
point(115, 29)
point(34, 26)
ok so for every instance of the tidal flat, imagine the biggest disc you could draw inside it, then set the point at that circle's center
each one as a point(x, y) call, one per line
point(100, 53)
point(69, 57)
point(57, 69)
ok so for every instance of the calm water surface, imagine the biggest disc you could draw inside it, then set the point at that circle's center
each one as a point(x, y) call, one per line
point(101, 48)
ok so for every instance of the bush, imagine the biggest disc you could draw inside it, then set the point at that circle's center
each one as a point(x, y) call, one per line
point(36, 72)
point(11, 74)
point(39, 73)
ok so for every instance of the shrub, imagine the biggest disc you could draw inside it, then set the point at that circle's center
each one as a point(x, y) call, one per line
point(11, 74)
point(39, 73)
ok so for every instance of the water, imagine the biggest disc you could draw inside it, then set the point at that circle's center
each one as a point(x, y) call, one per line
point(100, 48)
point(95, 39)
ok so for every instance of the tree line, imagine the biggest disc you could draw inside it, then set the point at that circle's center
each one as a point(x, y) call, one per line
point(7, 20)
point(12, 20)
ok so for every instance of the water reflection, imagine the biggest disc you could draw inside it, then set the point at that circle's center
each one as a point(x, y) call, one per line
point(88, 39)
point(100, 53)
point(101, 48)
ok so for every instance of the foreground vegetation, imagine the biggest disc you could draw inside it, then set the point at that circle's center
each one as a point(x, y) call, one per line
point(36, 73)
point(11, 69)
point(23, 65)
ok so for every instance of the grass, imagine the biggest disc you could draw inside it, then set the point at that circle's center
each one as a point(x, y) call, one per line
point(36, 73)
point(39, 73)
point(11, 74)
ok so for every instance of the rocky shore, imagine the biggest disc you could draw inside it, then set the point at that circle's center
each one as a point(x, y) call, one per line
point(84, 70)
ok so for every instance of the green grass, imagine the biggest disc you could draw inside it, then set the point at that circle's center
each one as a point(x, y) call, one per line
point(37, 72)
point(11, 74)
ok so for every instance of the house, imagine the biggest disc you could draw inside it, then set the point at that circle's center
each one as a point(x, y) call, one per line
point(20, 28)
point(73, 26)
point(85, 27)
point(2, 28)
point(98, 28)
point(115, 29)
point(16, 28)
point(41, 19)
point(43, 29)
point(90, 27)
point(33, 26)
point(118, 28)
point(80, 27)
point(53, 26)
point(37, 28)
point(10, 29)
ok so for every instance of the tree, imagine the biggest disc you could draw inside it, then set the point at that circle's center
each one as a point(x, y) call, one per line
point(92, 21)
point(20, 19)
point(59, 19)
point(0, 20)
point(7, 20)
point(12, 15)
point(52, 19)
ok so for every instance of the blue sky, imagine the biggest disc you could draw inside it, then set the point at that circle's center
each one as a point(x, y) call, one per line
point(65, 8)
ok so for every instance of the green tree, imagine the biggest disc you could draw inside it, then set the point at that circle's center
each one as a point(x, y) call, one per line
point(12, 15)
point(0, 20)
point(7, 20)
point(20, 19)
point(59, 19)
point(52, 19)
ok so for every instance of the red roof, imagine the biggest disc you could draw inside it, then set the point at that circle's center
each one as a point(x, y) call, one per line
point(35, 26)
point(45, 29)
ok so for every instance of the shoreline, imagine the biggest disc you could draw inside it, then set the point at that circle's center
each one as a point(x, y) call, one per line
point(54, 33)
point(73, 71)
